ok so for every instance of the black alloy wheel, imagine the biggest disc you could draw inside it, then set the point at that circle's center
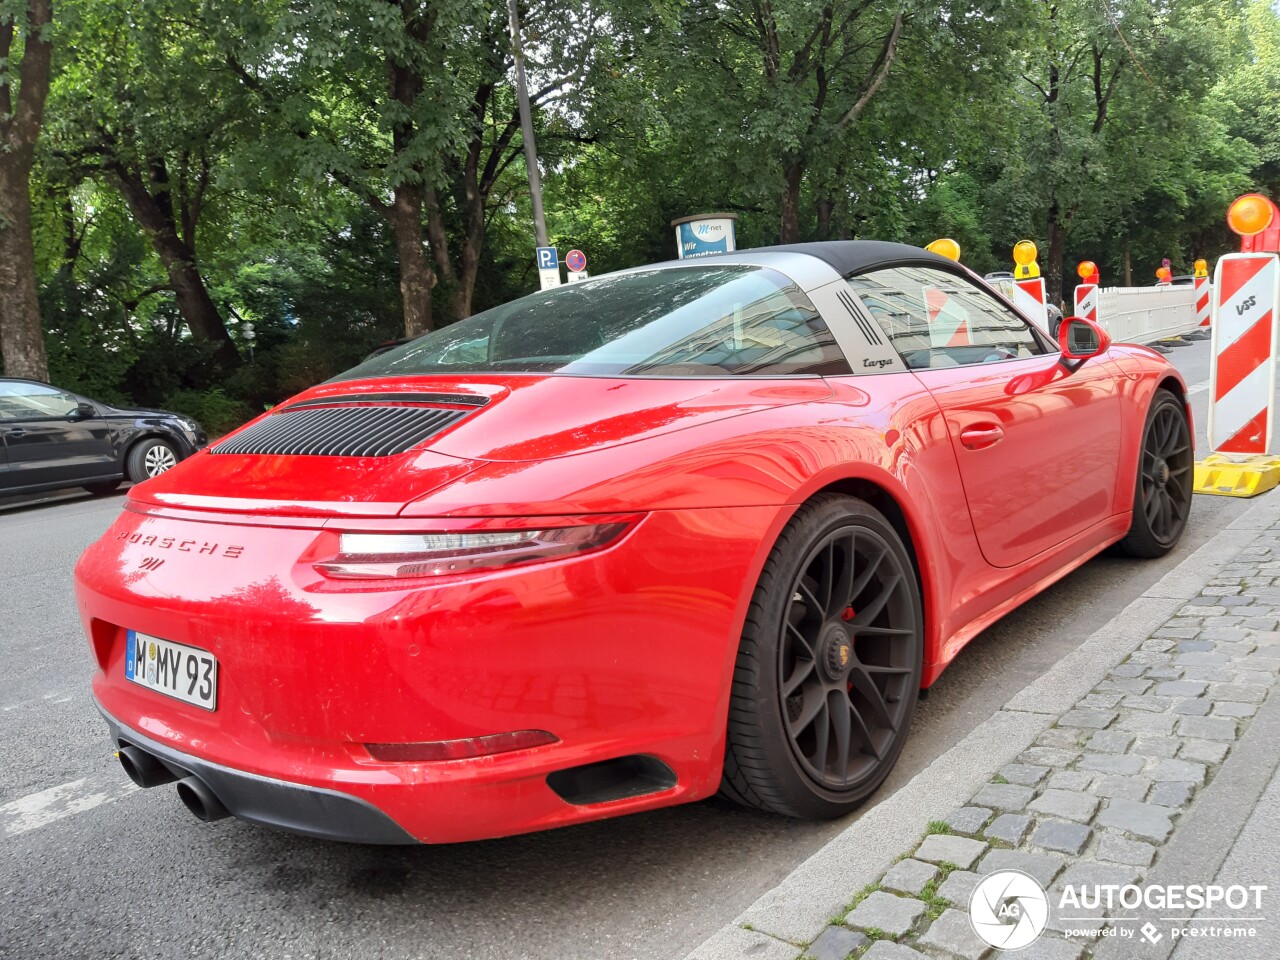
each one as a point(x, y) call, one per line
point(1162, 498)
point(829, 668)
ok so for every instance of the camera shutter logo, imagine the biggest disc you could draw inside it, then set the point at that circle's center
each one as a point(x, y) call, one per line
point(1008, 910)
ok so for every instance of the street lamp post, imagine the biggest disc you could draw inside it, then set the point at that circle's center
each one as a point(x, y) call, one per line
point(526, 126)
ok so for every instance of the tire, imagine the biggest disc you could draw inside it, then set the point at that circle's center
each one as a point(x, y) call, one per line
point(863, 652)
point(106, 486)
point(1162, 488)
point(1054, 316)
point(150, 458)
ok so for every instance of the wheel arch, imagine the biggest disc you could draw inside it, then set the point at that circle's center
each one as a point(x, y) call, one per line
point(1175, 386)
point(1147, 373)
point(150, 433)
point(907, 527)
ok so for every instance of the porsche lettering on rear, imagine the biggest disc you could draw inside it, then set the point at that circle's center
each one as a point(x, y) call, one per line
point(201, 547)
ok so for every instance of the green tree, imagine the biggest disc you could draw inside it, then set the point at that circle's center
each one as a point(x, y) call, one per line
point(364, 95)
point(571, 43)
point(148, 109)
point(1253, 91)
point(784, 82)
point(1104, 93)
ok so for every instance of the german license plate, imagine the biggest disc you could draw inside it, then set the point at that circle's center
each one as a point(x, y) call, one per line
point(174, 669)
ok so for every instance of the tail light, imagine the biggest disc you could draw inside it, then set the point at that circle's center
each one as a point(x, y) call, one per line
point(379, 556)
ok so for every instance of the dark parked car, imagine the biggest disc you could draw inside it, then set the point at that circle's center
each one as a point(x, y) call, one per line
point(52, 438)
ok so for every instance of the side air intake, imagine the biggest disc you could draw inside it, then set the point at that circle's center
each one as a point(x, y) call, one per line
point(363, 431)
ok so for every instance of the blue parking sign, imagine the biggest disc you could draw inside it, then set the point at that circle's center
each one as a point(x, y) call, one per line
point(548, 258)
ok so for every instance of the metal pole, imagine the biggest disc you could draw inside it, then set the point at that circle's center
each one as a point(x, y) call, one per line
point(526, 127)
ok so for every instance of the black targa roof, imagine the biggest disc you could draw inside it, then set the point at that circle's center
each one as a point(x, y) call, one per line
point(847, 257)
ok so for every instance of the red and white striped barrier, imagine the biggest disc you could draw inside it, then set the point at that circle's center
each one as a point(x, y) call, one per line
point(1087, 301)
point(1028, 296)
point(1202, 301)
point(1242, 379)
point(948, 321)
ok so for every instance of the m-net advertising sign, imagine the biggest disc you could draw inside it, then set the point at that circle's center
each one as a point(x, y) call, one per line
point(705, 234)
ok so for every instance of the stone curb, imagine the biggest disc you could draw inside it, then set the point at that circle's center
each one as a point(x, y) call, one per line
point(1209, 829)
point(791, 915)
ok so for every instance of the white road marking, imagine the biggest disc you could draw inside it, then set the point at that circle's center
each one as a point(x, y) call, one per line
point(38, 810)
point(57, 698)
point(1200, 387)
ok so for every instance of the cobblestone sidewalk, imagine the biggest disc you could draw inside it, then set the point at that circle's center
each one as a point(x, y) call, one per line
point(1098, 795)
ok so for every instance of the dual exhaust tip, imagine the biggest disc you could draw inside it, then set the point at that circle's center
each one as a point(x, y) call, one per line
point(146, 770)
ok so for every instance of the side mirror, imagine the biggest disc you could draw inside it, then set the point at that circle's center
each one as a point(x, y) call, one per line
point(84, 411)
point(1081, 339)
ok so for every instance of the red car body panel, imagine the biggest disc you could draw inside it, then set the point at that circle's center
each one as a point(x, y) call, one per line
point(583, 648)
point(627, 650)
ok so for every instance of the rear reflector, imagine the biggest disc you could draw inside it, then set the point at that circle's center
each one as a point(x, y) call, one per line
point(459, 749)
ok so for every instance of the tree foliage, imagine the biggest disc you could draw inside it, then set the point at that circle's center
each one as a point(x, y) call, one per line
point(339, 172)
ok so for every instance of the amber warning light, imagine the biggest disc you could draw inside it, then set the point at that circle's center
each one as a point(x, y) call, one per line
point(1250, 214)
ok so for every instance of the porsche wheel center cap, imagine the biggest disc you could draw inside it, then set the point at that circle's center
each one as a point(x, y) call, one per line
point(837, 653)
point(1161, 473)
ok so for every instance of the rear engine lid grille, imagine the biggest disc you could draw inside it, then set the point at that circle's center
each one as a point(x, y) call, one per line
point(341, 431)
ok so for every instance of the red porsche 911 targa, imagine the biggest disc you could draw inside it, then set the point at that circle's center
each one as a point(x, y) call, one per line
point(697, 527)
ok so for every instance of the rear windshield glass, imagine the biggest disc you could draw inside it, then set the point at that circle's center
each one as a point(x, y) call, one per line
point(686, 322)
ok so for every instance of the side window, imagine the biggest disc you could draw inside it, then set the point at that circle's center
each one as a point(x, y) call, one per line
point(937, 319)
point(32, 401)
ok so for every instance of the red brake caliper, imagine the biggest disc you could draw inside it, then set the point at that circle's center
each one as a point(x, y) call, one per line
point(847, 615)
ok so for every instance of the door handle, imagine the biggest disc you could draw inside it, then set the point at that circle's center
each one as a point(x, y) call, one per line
point(16, 432)
point(981, 435)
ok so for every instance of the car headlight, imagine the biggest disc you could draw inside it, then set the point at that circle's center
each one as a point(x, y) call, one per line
point(381, 556)
point(190, 429)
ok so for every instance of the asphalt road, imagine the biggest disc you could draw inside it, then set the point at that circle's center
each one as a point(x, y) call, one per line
point(91, 868)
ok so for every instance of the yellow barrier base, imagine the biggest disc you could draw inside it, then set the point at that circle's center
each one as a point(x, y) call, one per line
point(1225, 476)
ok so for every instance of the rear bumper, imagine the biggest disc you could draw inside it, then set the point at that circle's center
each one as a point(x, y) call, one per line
point(311, 811)
point(622, 653)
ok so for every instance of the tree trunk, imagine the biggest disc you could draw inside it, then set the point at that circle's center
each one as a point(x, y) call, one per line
point(194, 303)
point(405, 212)
point(826, 207)
point(1056, 254)
point(470, 269)
point(416, 275)
point(1053, 225)
point(472, 243)
point(1128, 264)
point(21, 336)
point(154, 215)
point(789, 228)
